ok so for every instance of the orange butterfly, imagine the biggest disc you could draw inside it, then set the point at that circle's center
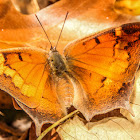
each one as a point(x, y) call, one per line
point(94, 75)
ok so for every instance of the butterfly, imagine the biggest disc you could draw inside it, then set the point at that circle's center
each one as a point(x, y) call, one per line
point(94, 74)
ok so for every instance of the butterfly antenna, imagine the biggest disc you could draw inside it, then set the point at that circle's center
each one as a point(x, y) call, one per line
point(62, 29)
point(43, 30)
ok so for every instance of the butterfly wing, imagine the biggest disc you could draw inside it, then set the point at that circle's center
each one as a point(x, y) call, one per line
point(56, 97)
point(23, 74)
point(104, 65)
point(113, 54)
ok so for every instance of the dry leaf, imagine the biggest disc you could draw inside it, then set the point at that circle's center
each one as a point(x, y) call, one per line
point(131, 7)
point(109, 128)
point(26, 6)
point(5, 100)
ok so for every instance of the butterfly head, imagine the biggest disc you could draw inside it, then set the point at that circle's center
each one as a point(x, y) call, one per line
point(53, 49)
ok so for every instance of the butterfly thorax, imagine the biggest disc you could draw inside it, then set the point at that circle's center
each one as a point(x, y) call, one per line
point(57, 63)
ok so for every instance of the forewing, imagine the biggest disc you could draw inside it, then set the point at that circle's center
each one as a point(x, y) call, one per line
point(23, 74)
point(114, 54)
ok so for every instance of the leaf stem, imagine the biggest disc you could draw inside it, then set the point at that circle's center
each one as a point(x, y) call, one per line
point(55, 124)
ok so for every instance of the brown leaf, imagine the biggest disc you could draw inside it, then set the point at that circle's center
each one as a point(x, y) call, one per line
point(52, 135)
point(10, 130)
point(5, 100)
point(131, 7)
point(25, 6)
